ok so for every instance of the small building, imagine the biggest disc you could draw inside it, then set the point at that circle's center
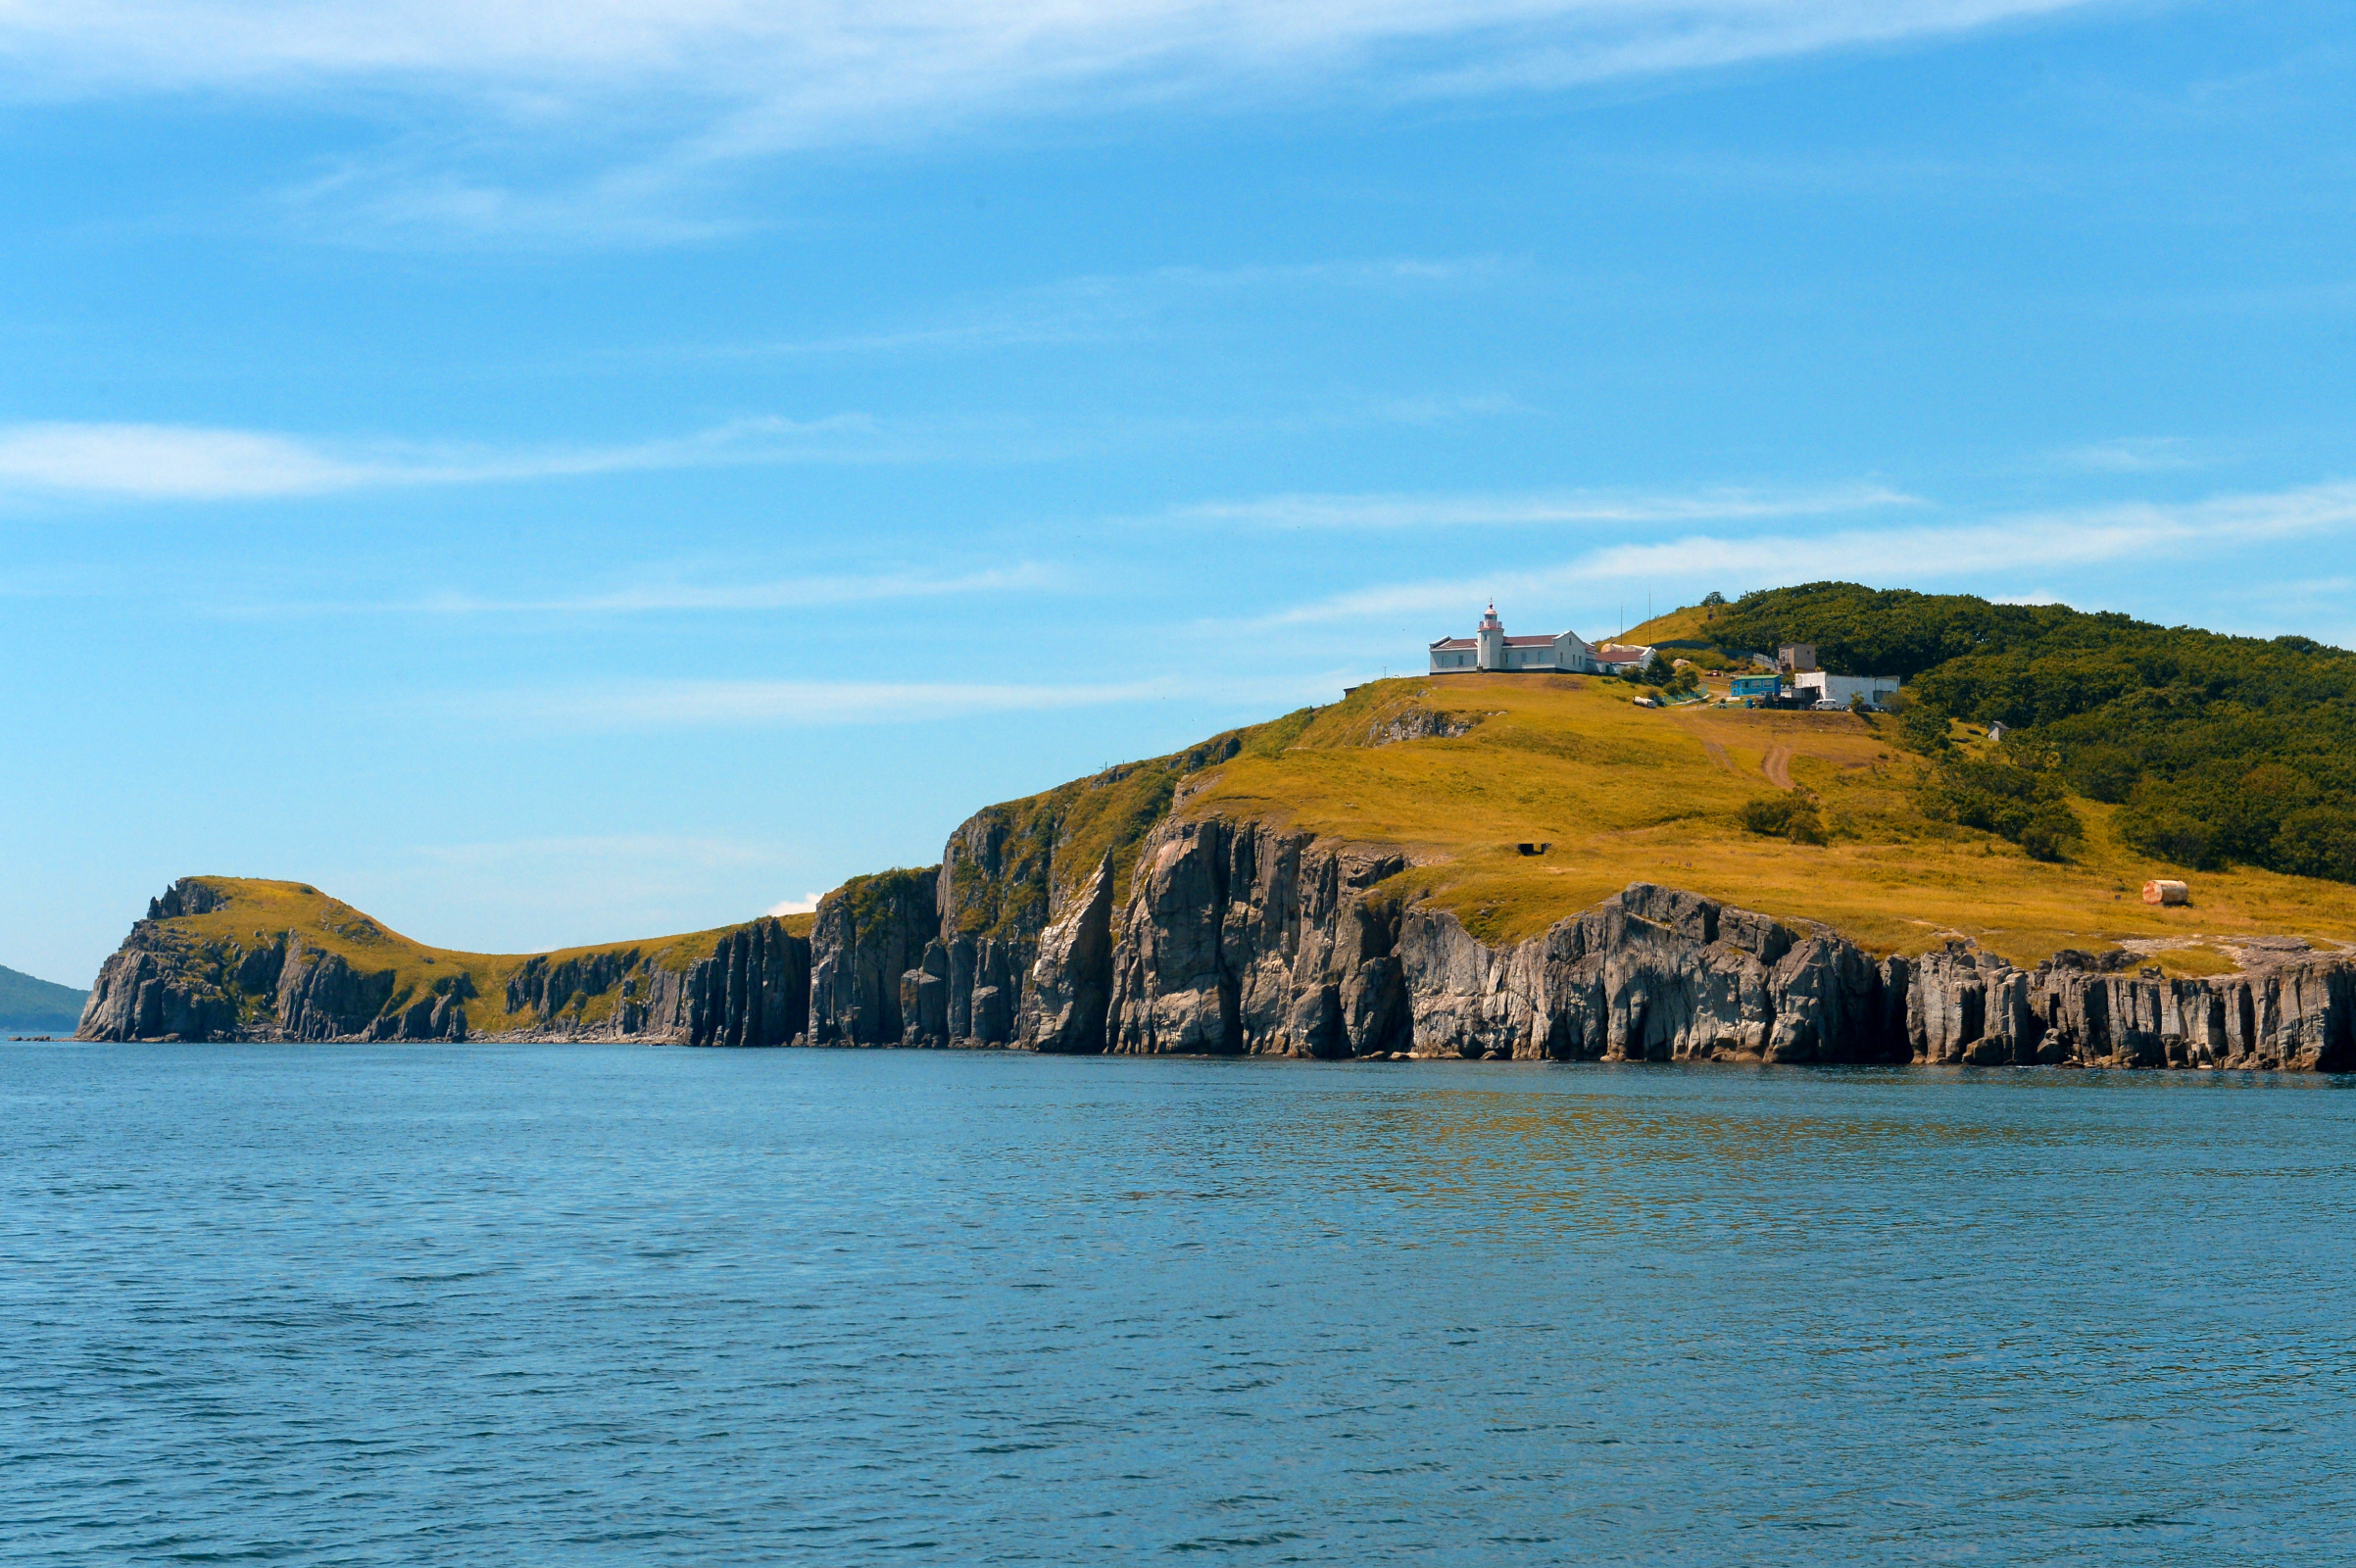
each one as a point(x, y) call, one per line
point(1489, 648)
point(1755, 686)
point(1796, 657)
point(2165, 890)
point(1998, 730)
point(1836, 690)
point(1619, 659)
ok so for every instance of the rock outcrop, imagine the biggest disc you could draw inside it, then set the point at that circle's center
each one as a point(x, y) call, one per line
point(163, 983)
point(1070, 990)
point(871, 933)
point(143, 992)
point(1238, 937)
point(752, 990)
point(2294, 1010)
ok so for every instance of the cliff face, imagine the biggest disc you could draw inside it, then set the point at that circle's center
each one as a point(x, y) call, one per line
point(166, 984)
point(2292, 1009)
point(870, 937)
point(1243, 939)
point(753, 990)
point(1240, 938)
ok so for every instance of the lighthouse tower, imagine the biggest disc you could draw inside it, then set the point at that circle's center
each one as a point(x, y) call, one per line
point(1493, 640)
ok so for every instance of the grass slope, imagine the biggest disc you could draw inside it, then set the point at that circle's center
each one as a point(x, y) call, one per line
point(1627, 794)
point(29, 1002)
point(1052, 842)
point(259, 909)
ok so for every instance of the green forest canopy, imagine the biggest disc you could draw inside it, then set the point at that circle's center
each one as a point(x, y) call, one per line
point(2218, 748)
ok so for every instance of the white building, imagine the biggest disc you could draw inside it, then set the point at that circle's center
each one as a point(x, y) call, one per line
point(1839, 689)
point(1491, 649)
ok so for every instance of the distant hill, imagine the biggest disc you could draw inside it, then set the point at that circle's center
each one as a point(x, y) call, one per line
point(28, 1003)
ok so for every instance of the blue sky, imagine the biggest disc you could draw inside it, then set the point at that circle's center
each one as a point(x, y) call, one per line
point(551, 474)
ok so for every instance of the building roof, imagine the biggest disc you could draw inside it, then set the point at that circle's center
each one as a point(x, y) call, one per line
point(1529, 642)
point(1620, 655)
point(1455, 642)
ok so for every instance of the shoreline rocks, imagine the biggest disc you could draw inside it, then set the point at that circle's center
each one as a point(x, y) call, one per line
point(1242, 939)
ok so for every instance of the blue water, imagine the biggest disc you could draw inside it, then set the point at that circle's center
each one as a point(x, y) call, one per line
point(532, 1304)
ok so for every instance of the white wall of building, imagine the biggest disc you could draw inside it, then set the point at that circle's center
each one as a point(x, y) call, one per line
point(1841, 688)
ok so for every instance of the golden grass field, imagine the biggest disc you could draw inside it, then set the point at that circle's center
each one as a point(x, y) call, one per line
point(1627, 794)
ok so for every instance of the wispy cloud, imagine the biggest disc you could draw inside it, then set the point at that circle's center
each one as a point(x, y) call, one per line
point(707, 83)
point(1527, 509)
point(608, 849)
point(168, 463)
point(1107, 308)
point(2135, 455)
point(804, 905)
point(790, 593)
point(187, 463)
point(2040, 541)
point(772, 704)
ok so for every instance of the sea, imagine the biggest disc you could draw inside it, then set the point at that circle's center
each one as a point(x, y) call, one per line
point(485, 1304)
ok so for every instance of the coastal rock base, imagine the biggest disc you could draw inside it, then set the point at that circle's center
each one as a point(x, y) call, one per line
point(1238, 938)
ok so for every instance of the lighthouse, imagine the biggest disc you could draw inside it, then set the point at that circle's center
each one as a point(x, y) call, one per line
point(1491, 640)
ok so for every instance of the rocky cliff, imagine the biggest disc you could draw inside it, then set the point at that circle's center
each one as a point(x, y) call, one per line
point(1238, 938)
point(338, 976)
point(1093, 919)
point(167, 983)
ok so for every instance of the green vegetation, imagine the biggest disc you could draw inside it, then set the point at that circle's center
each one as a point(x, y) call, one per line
point(2219, 750)
point(1792, 817)
point(1992, 792)
point(26, 1003)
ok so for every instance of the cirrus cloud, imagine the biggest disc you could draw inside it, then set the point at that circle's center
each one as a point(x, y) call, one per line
point(635, 104)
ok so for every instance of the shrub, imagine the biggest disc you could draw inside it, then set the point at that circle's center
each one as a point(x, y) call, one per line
point(1924, 729)
point(2319, 841)
point(2051, 833)
point(2106, 773)
point(1996, 794)
point(1792, 817)
point(2168, 835)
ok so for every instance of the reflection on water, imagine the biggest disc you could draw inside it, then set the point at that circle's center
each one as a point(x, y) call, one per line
point(524, 1305)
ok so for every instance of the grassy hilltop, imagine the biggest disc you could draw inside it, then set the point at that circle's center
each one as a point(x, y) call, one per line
point(1624, 792)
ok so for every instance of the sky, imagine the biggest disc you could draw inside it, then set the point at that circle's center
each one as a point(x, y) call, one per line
point(557, 473)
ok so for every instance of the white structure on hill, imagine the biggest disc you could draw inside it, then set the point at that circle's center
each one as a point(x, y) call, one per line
point(1491, 649)
point(1836, 690)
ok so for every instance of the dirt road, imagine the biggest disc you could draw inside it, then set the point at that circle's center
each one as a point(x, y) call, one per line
point(1778, 766)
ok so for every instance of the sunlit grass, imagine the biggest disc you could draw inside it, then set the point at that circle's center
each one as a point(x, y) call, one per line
point(1627, 794)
